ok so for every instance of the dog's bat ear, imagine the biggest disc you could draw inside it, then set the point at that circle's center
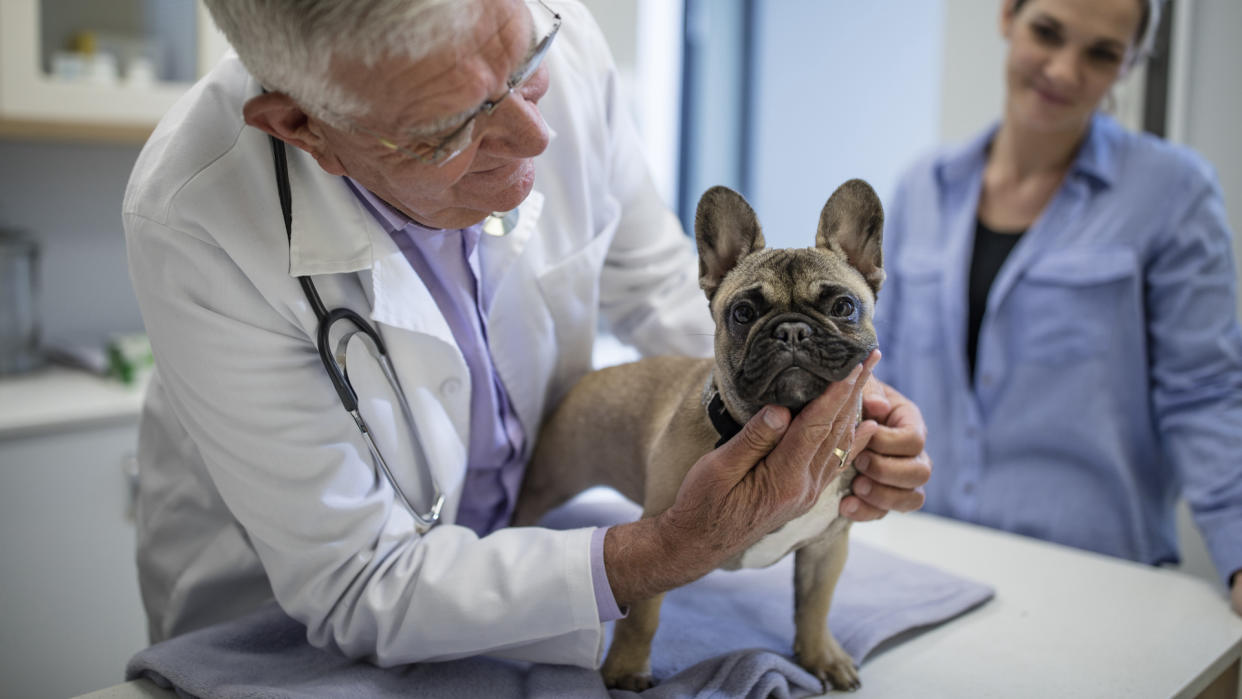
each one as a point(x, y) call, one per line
point(726, 230)
point(852, 225)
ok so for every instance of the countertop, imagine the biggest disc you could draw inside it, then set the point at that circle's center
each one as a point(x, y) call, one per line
point(1064, 623)
point(56, 397)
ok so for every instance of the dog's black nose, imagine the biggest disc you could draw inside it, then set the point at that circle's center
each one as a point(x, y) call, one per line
point(792, 332)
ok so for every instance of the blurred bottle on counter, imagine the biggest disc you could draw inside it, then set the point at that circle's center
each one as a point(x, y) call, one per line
point(101, 58)
point(19, 306)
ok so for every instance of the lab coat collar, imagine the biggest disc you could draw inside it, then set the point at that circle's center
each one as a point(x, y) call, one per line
point(334, 233)
point(331, 228)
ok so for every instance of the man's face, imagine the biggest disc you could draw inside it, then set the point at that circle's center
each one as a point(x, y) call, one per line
point(415, 100)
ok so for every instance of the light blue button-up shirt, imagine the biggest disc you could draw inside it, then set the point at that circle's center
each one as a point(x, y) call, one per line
point(1109, 375)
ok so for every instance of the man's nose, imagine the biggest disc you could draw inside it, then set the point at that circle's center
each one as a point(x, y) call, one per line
point(517, 129)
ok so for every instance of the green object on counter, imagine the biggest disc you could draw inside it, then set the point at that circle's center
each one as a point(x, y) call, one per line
point(129, 356)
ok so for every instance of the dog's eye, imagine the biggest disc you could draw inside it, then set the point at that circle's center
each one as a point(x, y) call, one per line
point(843, 307)
point(743, 314)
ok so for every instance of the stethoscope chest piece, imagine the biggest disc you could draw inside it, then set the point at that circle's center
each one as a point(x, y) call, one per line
point(500, 223)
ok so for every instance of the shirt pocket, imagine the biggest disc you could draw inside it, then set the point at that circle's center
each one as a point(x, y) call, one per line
point(919, 322)
point(1065, 306)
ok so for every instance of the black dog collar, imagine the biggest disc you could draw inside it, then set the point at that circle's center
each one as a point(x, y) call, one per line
point(724, 423)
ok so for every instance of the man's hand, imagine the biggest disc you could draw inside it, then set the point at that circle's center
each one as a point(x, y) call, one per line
point(892, 466)
point(769, 473)
point(1236, 592)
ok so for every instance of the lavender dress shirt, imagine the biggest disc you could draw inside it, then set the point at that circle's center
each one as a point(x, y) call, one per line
point(448, 263)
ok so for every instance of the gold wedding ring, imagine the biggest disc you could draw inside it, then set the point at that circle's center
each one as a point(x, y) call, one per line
point(841, 454)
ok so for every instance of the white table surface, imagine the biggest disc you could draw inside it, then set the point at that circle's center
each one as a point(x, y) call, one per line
point(1063, 623)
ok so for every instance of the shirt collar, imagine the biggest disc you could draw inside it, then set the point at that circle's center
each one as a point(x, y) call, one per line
point(395, 223)
point(1098, 156)
point(1096, 159)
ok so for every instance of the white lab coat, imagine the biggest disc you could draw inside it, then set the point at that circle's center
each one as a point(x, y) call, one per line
point(255, 483)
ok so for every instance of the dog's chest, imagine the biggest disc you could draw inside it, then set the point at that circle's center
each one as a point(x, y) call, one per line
point(818, 521)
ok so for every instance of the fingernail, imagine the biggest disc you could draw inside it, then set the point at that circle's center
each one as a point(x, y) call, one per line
point(773, 418)
point(862, 486)
point(862, 461)
point(849, 507)
point(854, 374)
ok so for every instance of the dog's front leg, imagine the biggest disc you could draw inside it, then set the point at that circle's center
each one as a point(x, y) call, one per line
point(817, 567)
point(628, 665)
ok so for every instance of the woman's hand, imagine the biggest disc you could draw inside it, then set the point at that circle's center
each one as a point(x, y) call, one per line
point(892, 466)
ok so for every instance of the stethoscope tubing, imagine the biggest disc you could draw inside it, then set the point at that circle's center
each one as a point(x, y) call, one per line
point(333, 363)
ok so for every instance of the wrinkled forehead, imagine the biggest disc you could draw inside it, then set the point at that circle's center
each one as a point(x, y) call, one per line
point(786, 276)
point(469, 63)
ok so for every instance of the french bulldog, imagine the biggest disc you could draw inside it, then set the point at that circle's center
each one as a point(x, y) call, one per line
point(788, 323)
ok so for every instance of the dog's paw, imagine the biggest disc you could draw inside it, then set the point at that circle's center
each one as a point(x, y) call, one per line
point(835, 670)
point(631, 682)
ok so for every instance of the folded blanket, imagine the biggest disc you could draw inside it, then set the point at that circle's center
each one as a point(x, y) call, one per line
point(729, 634)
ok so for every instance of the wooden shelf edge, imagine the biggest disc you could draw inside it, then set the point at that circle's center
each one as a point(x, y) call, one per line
point(74, 132)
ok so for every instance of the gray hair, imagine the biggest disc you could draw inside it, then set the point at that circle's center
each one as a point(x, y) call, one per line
point(1149, 23)
point(290, 46)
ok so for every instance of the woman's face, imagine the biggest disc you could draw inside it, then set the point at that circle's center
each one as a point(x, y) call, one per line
point(1064, 55)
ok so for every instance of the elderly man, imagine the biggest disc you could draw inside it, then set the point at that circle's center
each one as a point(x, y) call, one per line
point(354, 353)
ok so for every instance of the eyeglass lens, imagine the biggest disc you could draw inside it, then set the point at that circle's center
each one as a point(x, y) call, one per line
point(460, 139)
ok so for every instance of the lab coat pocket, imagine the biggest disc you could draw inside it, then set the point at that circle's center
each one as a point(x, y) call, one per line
point(570, 289)
point(1065, 306)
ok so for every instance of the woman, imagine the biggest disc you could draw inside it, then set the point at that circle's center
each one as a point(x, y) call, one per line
point(1061, 304)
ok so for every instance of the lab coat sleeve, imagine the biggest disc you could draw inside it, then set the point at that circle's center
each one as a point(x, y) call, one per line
point(649, 288)
point(1196, 365)
point(244, 380)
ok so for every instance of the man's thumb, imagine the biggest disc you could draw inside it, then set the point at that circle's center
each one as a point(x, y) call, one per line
point(757, 437)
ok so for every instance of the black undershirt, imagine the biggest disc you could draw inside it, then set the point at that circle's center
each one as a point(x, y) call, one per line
point(990, 250)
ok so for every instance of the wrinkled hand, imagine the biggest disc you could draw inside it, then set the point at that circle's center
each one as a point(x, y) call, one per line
point(1235, 595)
point(769, 473)
point(892, 466)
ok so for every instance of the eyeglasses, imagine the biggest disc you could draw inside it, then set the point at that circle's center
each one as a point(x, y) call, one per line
point(441, 151)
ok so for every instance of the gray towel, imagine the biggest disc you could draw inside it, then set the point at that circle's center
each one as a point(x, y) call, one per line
point(729, 634)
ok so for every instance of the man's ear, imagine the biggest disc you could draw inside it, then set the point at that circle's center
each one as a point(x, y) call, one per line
point(276, 113)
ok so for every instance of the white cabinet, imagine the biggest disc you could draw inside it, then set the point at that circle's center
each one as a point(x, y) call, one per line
point(70, 611)
point(43, 97)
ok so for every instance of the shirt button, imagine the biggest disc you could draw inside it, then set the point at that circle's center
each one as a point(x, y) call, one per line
point(450, 387)
point(968, 488)
point(972, 431)
point(988, 380)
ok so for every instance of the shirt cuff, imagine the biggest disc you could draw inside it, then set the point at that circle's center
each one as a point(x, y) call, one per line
point(604, 601)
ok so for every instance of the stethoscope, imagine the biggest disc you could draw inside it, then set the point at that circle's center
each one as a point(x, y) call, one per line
point(334, 359)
